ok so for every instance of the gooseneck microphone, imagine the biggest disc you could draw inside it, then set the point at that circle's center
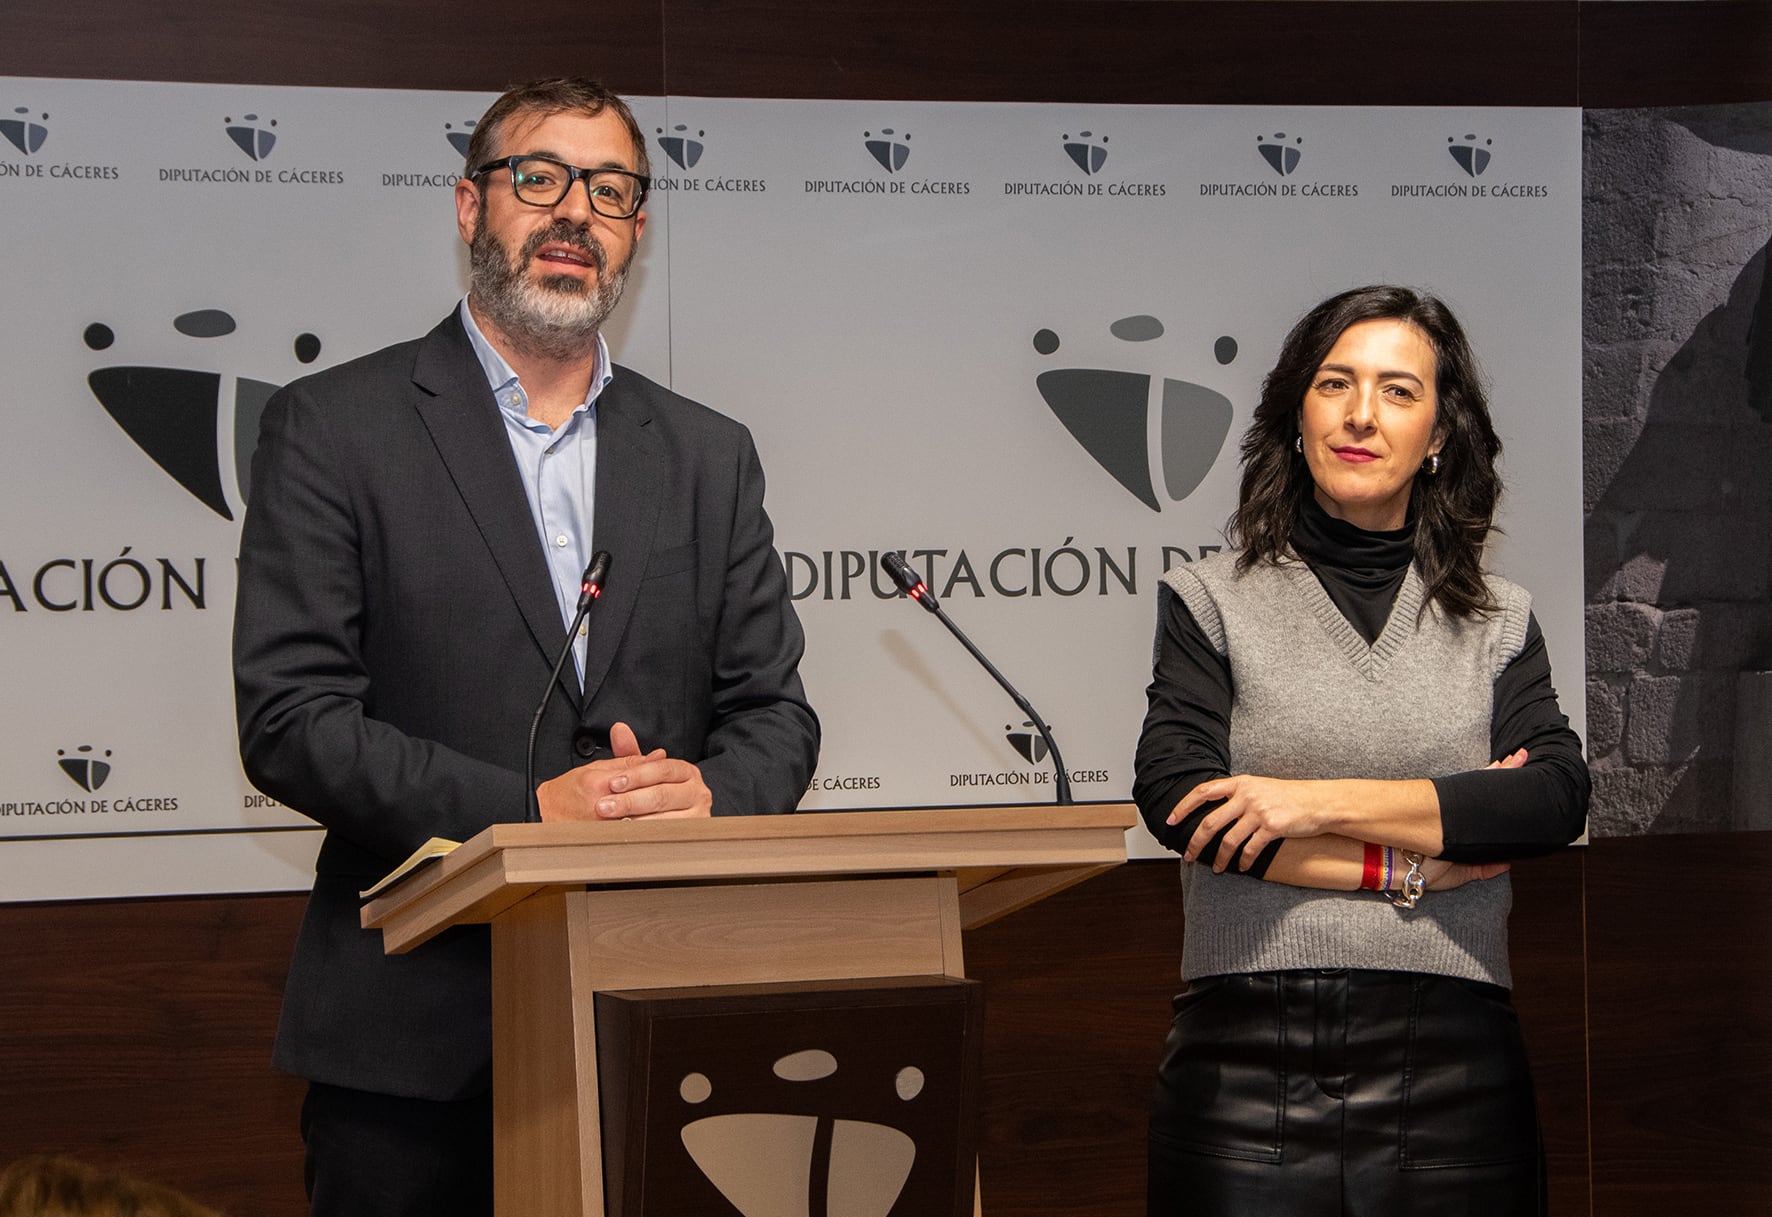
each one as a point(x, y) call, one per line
point(917, 590)
point(590, 587)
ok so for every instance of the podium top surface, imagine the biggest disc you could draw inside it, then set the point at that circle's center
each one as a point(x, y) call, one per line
point(1003, 857)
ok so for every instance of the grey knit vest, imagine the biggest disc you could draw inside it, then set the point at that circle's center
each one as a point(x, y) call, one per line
point(1312, 700)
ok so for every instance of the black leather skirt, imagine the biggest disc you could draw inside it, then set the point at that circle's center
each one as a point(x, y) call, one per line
point(1341, 1093)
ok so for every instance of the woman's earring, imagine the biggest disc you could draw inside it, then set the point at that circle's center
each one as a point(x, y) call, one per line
point(1433, 465)
point(1298, 444)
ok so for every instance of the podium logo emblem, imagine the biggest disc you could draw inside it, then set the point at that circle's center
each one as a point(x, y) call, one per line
point(768, 1164)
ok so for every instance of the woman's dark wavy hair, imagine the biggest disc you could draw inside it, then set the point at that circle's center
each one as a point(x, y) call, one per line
point(1454, 509)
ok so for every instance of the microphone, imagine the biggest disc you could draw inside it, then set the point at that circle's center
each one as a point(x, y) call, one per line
point(590, 587)
point(917, 590)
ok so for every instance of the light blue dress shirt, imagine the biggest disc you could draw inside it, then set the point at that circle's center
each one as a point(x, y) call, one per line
point(559, 470)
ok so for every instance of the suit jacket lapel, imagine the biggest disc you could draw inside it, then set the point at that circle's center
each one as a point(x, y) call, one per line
point(630, 475)
point(464, 423)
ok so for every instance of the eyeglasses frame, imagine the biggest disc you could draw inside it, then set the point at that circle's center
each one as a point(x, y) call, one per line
point(574, 175)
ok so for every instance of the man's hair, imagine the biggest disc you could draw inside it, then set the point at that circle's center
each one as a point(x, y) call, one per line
point(1454, 509)
point(542, 98)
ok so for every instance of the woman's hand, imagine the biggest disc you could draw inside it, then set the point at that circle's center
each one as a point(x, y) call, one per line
point(1257, 810)
point(1442, 876)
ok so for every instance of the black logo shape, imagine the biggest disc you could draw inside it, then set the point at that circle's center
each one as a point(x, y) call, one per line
point(88, 772)
point(174, 414)
point(1107, 411)
point(683, 149)
point(1276, 152)
point(1471, 156)
point(254, 141)
point(1088, 151)
point(459, 139)
point(22, 133)
point(1030, 743)
point(890, 148)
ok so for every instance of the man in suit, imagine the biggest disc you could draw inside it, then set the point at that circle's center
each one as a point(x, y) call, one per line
point(409, 564)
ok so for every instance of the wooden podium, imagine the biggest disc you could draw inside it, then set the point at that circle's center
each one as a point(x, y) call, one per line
point(738, 913)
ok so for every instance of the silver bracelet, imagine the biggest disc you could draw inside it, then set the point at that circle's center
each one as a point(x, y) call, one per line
point(1413, 884)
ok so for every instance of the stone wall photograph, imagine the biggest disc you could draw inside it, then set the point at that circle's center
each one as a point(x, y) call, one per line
point(1677, 455)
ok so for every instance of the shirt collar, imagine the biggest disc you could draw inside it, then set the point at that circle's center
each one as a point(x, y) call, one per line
point(500, 374)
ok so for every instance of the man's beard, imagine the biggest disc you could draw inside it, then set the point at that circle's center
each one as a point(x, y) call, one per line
point(556, 317)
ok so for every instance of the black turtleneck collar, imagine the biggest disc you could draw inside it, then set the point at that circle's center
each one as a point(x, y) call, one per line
point(1360, 570)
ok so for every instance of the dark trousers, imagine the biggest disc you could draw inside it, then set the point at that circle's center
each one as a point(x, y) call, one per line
point(1343, 1094)
point(375, 1155)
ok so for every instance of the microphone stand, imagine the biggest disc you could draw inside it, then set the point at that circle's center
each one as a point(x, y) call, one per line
point(917, 590)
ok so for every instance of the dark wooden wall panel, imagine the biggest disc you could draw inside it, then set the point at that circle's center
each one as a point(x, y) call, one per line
point(1675, 53)
point(1549, 953)
point(1680, 985)
point(1282, 52)
point(1077, 992)
point(137, 1034)
point(384, 44)
point(1285, 52)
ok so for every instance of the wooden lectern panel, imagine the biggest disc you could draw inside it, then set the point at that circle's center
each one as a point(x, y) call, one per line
point(582, 909)
point(553, 954)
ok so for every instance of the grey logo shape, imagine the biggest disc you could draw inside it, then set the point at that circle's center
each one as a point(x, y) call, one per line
point(683, 148)
point(1030, 743)
point(1108, 412)
point(458, 135)
point(84, 767)
point(23, 132)
point(254, 140)
point(1471, 156)
point(174, 414)
point(1283, 157)
point(891, 148)
point(1089, 152)
point(766, 1164)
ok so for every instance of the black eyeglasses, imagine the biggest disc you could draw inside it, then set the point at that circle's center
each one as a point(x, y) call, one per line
point(542, 181)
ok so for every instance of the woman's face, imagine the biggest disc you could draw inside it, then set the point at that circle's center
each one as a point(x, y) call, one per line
point(1368, 422)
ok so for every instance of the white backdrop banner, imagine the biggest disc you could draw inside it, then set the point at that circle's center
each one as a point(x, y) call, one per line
point(1016, 342)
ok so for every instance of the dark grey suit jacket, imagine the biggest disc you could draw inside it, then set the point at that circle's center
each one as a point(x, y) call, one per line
point(393, 633)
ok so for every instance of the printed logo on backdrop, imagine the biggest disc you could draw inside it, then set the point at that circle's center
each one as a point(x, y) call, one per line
point(181, 416)
point(1471, 156)
point(1108, 411)
point(1030, 746)
point(24, 132)
point(1108, 408)
point(1087, 154)
point(1283, 154)
point(254, 138)
point(1277, 152)
point(185, 419)
point(887, 150)
point(683, 147)
point(88, 768)
point(455, 136)
point(27, 131)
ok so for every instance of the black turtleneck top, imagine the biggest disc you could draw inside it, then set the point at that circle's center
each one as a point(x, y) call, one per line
point(1486, 815)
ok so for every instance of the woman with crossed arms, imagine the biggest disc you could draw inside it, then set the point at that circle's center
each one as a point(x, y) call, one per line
point(1351, 730)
